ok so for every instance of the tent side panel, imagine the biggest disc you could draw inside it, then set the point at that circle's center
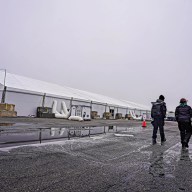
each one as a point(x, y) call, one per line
point(99, 108)
point(107, 108)
point(115, 112)
point(137, 112)
point(143, 112)
point(25, 104)
point(49, 102)
point(122, 110)
point(148, 114)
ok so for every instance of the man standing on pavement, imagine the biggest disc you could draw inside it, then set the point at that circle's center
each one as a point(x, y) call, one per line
point(158, 113)
point(183, 116)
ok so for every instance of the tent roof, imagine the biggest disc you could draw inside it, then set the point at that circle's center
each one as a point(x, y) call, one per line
point(28, 84)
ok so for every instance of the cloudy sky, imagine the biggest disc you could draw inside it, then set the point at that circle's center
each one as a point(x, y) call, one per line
point(127, 49)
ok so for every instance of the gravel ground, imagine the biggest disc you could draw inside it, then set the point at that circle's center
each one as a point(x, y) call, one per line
point(112, 162)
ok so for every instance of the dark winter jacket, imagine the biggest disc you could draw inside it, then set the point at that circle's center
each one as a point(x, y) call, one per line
point(183, 113)
point(158, 109)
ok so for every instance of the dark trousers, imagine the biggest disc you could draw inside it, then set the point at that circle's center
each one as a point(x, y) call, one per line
point(185, 131)
point(158, 123)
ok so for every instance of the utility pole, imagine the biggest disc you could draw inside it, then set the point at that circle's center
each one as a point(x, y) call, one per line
point(4, 87)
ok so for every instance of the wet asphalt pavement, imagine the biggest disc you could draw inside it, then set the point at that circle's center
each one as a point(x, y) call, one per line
point(119, 159)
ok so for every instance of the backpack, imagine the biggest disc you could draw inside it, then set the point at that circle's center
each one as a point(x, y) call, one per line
point(156, 110)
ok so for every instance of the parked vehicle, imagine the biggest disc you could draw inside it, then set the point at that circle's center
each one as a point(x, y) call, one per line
point(170, 119)
point(170, 116)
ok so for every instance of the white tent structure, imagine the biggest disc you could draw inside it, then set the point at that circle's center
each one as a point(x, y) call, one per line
point(27, 94)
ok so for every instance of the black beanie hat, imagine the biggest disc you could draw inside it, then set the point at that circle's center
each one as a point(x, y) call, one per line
point(162, 97)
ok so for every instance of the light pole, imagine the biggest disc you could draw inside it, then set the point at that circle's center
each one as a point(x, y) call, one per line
point(3, 92)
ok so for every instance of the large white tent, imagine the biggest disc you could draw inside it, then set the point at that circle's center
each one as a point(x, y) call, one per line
point(27, 94)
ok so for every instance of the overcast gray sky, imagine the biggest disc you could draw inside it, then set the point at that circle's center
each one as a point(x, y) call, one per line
point(127, 49)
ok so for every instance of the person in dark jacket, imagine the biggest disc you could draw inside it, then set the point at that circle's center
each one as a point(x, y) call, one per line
point(158, 113)
point(183, 116)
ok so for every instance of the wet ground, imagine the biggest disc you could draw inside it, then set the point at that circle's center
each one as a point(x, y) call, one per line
point(99, 155)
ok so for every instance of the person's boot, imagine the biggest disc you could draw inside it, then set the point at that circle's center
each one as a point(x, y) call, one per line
point(163, 141)
point(154, 141)
point(186, 145)
point(183, 145)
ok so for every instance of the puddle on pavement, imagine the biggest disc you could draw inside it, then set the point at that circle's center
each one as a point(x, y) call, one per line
point(21, 136)
point(169, 163)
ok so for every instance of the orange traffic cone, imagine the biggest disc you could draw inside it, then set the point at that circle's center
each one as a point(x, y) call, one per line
point(144, 124)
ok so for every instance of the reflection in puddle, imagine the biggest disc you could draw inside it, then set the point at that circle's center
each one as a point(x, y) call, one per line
point(110, 127)
point(11, 124)
point(6, 124)
point(61, 131)
point(20, 136)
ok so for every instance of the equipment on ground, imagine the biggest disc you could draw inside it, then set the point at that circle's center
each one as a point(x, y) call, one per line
point(45, 112)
